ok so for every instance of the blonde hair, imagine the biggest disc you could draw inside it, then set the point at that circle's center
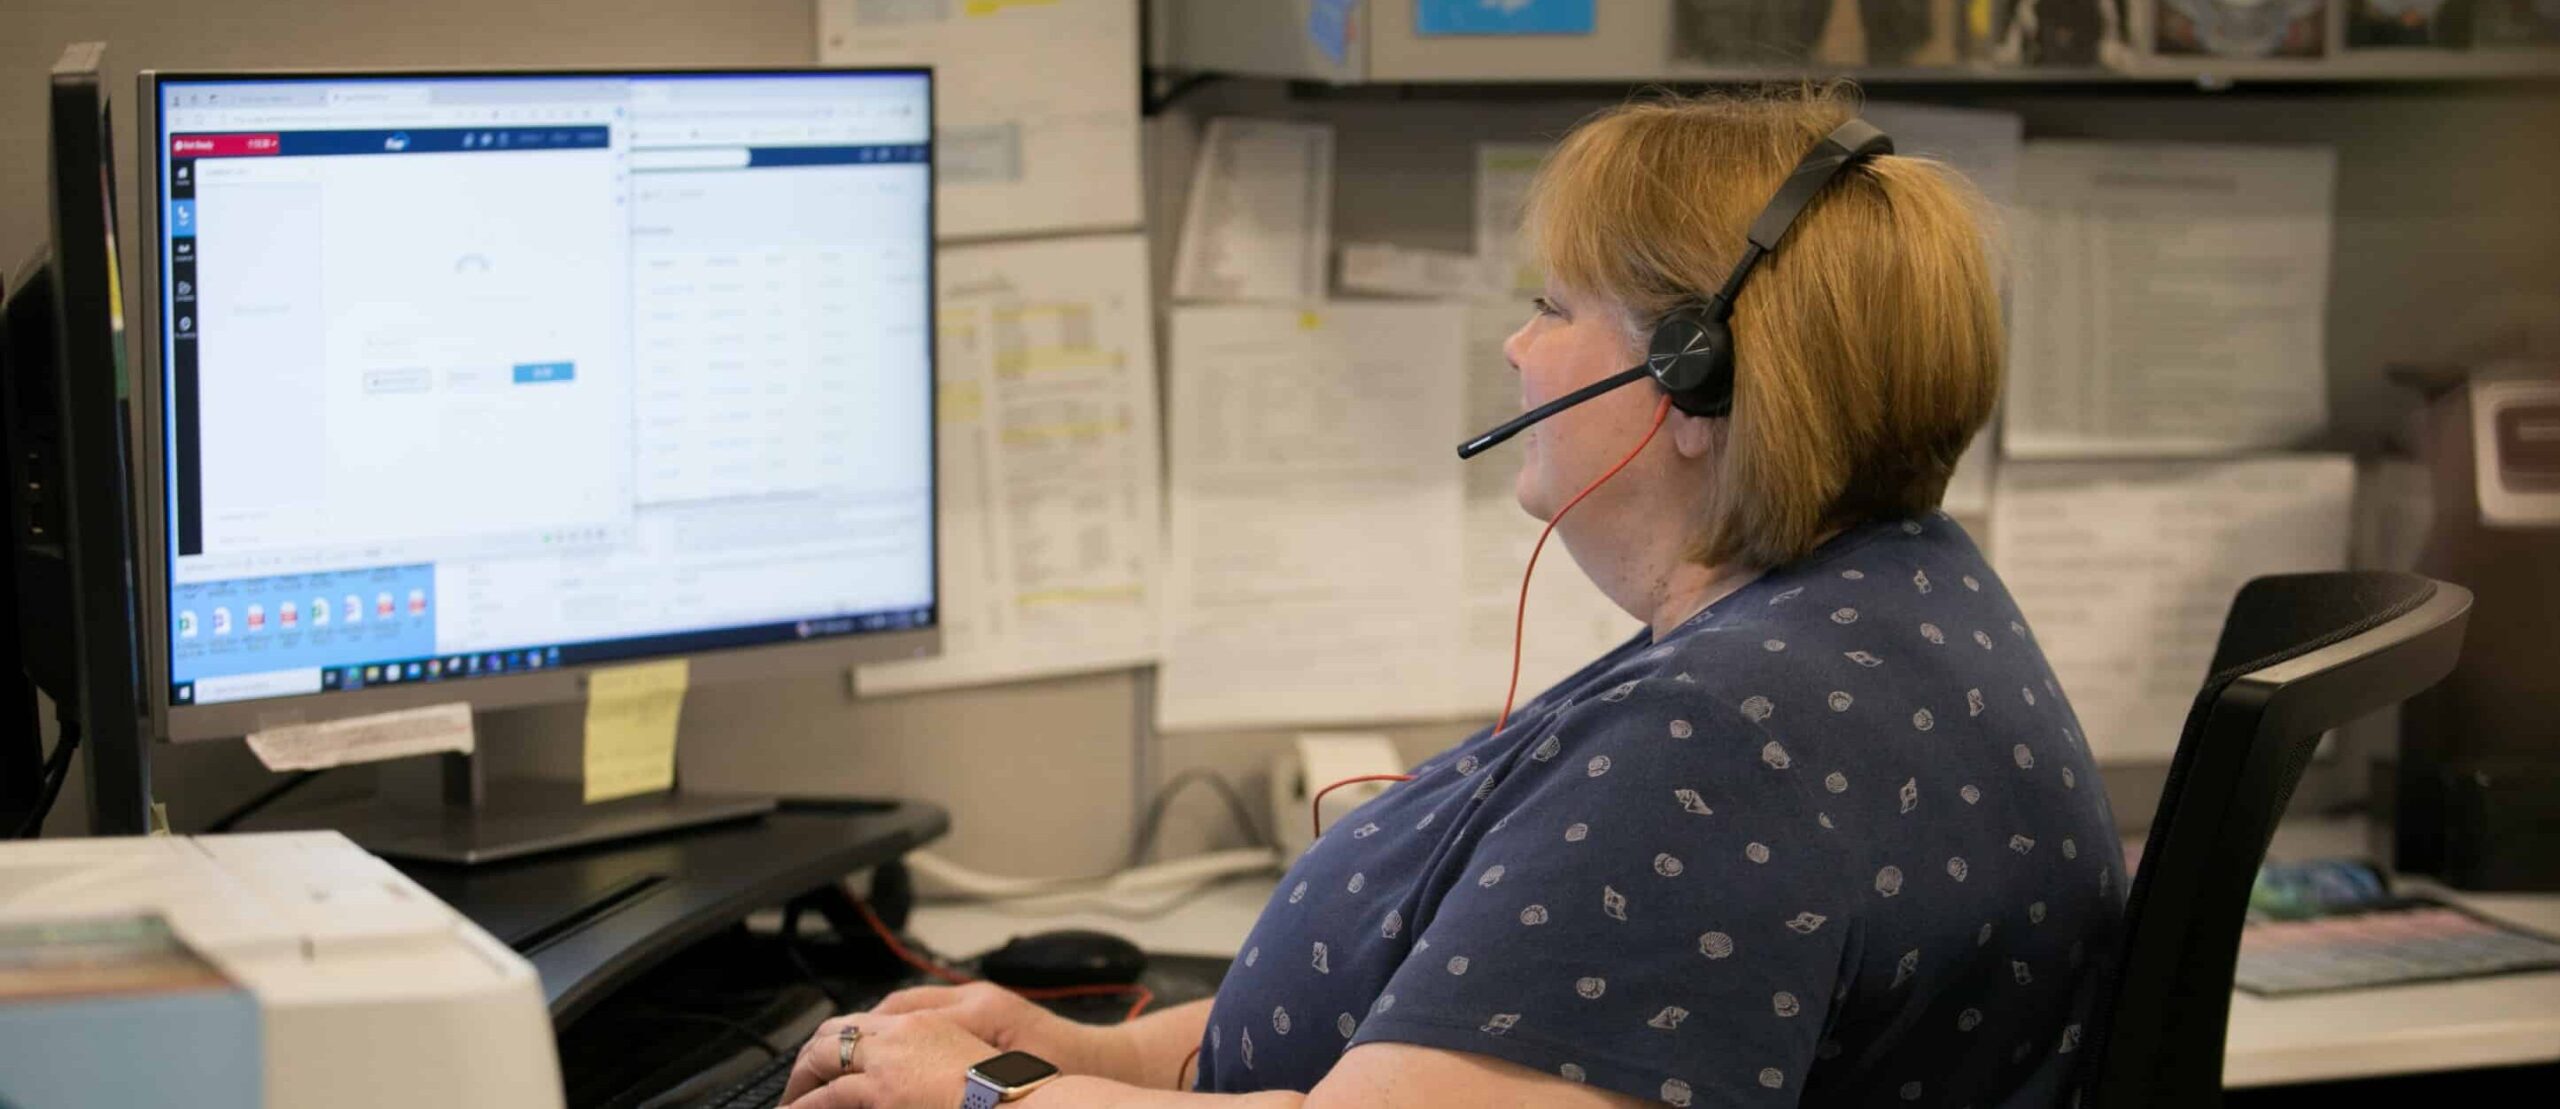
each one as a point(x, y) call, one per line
point(1867, 345)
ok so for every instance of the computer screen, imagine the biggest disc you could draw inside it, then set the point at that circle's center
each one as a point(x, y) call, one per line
point(472, 376)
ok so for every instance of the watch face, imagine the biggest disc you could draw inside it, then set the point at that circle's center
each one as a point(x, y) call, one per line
point(1015, 1068)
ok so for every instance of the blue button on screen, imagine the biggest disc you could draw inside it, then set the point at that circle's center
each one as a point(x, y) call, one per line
point(535, 373)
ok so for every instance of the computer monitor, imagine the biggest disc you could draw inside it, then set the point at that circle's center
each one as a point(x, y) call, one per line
point(464, 384)
point(62, 435)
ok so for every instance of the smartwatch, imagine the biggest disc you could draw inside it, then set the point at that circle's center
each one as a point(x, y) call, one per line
point(1004, 1078)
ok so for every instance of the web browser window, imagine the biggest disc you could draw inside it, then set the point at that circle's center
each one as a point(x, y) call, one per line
point(476, 375)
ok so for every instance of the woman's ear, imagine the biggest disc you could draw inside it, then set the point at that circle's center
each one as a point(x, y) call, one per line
point(1696, 437)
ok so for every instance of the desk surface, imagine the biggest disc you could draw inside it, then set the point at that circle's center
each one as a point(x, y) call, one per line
point(2506, 1020)
point(593, 919)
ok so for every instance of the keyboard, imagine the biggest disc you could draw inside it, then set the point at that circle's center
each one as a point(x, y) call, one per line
point(760, 1089)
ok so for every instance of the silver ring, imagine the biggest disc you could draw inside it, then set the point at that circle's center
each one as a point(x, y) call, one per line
point(846, 1037)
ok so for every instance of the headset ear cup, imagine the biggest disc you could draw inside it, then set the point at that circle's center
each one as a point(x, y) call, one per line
point(1714, 394)
point(1691, 357)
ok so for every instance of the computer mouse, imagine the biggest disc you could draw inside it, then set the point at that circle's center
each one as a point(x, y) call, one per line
point(1064, 958)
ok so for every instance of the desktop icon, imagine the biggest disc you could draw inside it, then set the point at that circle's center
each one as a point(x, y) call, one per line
point(413, 671)
point(471, 664)
point(533, 660)
point(221, 620)
point(435, 668)
point(187, 624)
point(186, 288)
point(353, 609)
point(257, 618)
point(497, 664)
point(328, 679)
point(289, 615)
point(186, 693)
point(417, 602)
point(319, 612)
point(382, 606)
point(391, 673)
point(552, 656)
point(373, 673)
point(398, 142)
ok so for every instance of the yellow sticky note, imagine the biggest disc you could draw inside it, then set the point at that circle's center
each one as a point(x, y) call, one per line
point(631, 728)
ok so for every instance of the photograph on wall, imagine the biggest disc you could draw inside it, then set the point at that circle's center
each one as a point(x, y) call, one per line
point(2241, 28)
point(2046, 32)
point(2440, 24)
point(2517, 23)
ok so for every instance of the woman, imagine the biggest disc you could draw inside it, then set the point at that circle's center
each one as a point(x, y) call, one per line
point(1824, 832)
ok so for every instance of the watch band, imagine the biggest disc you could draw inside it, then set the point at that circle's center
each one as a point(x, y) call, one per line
point(981, 1094)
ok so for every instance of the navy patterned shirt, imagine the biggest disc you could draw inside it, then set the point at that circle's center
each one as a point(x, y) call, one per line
point(1836, 839)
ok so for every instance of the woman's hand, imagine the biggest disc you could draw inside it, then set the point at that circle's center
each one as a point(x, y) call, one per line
point(909, 1061)
point(1003, 1018)
point(993, 1016)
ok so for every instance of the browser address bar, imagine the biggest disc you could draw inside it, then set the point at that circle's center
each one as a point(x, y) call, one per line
point(690, 157)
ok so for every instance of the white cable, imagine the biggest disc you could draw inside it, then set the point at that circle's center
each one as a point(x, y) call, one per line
point(1185, 874)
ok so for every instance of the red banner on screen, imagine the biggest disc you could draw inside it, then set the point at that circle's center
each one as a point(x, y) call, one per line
point(221, 146)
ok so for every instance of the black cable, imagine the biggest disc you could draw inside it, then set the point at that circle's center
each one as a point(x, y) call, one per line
point(1144, 843)
point(57, 770)
point(250, 807)
point(808, 970)
point(1156, 104)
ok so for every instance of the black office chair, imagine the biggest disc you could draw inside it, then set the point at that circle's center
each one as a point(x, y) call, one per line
point(2300, 654)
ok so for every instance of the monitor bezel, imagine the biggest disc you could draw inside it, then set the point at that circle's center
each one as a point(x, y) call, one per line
point(567, 683)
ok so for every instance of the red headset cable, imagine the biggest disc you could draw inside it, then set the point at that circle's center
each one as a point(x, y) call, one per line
point(1519, 624)
point(1520, 616)
point(880, 928)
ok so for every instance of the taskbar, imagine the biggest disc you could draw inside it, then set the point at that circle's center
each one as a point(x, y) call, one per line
point(528, 660)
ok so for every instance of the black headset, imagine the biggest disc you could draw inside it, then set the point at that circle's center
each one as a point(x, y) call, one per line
point(1691, 352)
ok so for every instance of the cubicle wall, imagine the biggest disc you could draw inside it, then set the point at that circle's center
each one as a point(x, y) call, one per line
point(2444, 207)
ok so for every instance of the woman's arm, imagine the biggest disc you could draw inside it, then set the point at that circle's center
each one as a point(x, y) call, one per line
point(1154, 1047)
point(1370, 1075)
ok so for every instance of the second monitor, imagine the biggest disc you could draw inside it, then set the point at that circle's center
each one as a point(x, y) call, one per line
point(465, 383)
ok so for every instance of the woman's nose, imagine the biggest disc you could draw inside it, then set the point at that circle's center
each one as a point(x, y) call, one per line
point(1512, 346)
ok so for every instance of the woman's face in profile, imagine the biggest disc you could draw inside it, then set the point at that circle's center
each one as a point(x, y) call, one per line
point(1571, 340)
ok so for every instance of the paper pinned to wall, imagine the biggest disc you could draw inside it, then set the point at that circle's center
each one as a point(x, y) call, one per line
point(1570, 622)
point(2169, 298)
point(2125, 571)
point(632, 713)
point(431, 730)
point(1390, 270)
point(1048, 442)
point(1258, 223)
point(1504, 172)
point(1314, 515)
point(1035, 104)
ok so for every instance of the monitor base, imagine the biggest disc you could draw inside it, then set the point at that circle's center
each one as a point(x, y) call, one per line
point(517, 818)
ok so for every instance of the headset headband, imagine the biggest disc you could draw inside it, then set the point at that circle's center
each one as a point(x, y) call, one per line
point(1691, 350)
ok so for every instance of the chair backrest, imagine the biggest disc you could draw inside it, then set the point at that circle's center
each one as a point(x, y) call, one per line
point(2299, 654)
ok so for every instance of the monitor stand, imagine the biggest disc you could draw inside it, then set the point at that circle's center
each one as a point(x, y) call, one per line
point(445, 809)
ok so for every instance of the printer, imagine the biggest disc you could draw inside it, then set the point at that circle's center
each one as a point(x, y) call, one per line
point(290, 970)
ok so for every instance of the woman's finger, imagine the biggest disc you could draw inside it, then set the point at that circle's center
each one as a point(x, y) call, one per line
point(850, 1092)
point(824, 1058)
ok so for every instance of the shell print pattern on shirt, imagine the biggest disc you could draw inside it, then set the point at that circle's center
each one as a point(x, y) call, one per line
point(1717, 869)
